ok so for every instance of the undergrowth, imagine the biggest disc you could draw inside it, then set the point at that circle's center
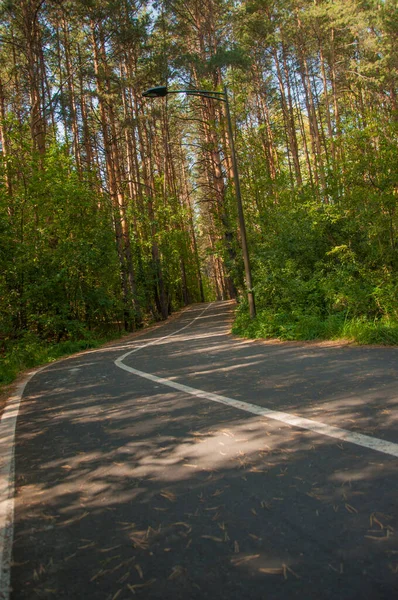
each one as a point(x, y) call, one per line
point(30, 351)
point(302, 327)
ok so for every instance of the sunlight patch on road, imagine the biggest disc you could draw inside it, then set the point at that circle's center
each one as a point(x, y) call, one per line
point(366, 441)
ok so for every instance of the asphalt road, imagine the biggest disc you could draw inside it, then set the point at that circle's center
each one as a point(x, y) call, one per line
point(127, 487)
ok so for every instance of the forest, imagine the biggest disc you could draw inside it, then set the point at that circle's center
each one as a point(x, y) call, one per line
point(117, 209)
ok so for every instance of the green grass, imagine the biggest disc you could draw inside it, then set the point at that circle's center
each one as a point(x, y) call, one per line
point(286, 326)
point(30, 351)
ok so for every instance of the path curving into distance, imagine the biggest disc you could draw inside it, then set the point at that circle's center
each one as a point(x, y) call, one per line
point(186, 463)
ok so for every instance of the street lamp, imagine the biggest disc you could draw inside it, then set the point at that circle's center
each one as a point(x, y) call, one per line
point(160, 92)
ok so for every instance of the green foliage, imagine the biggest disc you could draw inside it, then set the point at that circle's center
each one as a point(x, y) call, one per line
point(329, 270)
point(31, 351)
point(101, 231)
point(58, 255)
point(306, 327)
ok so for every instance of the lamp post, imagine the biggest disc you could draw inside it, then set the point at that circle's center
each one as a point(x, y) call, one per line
point(160, 92)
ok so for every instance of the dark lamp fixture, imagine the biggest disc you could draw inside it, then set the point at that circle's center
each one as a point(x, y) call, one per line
point(156, 92)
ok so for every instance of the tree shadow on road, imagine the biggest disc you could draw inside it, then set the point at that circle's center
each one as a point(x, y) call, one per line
point(162, 495)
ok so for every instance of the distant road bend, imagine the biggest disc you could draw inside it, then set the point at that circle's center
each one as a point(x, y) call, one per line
point(186, 463)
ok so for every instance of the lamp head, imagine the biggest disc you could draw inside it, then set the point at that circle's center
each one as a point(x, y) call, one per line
point(156, 92)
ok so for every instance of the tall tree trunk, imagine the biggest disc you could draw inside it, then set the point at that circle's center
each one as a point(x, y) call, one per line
point(71, 96)
point(5, 145)
point(114, 183)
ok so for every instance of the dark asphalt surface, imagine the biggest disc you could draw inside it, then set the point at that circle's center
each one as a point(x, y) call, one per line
point(127, 488)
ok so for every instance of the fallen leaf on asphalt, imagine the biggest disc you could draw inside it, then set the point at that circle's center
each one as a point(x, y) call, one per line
point(139, 571)
point(101, 572)
point(228, 433)
point(124, 577)
point(75, 519)
point(48, 517)
point(122, 564)
point(169, 496)
point(184, 525)
point(216, 516)
point(212, 537)
point(374, 519)
point(70, 556)
point(313, 495)
point(138, 586)
point(117, 595)
point(292, 572)
point(19, 564)
point(139, 543)
point(177, 571)
point(284, 568)
point(271, 570)
point(244, 559)
point(350, 508)
point(149, 531)
point(110, 549)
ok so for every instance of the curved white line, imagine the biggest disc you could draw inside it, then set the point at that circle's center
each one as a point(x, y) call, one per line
point(7, 467)
point(157, 340)
point(359, 439)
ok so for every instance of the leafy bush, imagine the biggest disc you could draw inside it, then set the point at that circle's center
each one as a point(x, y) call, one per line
point(30, 351)
point(289, 326)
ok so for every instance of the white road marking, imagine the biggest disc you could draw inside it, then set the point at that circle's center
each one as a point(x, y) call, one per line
point(7, 486)
point(164, 337)
point(10, 414)
point(7, 434)
point(359, 439)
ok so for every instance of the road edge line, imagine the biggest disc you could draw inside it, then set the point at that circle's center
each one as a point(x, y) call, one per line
point(8, 424)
